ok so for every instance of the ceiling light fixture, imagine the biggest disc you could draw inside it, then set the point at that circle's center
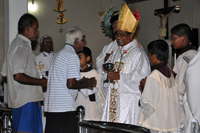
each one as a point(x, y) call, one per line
point(32, 6)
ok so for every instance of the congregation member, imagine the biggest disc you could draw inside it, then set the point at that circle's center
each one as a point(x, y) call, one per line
point(159, 100)
point(63, 84)
point(110, 25)
point(24, 85)
point(43, 61)
point(192, 93)
point(91, 100)
point(181, 36)
point(131, 65)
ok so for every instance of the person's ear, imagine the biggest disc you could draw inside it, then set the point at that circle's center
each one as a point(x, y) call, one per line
point(76, 41)
point(87, 58)
point(40, 44)
point(28, 28)
point(131, 36)
point(154, 56)
point(184, 38)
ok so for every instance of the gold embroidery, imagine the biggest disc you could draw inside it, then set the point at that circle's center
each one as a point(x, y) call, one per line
point(119, 69)
point(114, 94)
point(113, 105)
point(40, 66)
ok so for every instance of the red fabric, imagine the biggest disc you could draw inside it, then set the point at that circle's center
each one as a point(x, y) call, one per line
point(136, 14)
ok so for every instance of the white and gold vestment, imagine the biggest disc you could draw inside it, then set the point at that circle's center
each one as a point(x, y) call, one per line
point(123, 95)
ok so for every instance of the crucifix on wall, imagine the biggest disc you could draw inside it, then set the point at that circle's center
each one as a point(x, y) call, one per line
point(164, 13)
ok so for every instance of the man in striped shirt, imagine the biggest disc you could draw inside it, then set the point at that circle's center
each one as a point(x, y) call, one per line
point(63, 84)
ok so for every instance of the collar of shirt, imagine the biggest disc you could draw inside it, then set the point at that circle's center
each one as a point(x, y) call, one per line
point(25, 39)
point(69, 46)
point(48, 54)
point(125, 47)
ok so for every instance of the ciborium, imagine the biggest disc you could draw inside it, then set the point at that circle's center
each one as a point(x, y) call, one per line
point(108, 67)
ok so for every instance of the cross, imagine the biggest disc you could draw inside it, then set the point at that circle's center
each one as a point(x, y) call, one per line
point(166, 11)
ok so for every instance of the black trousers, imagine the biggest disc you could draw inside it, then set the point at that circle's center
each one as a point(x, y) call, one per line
point(61, 122)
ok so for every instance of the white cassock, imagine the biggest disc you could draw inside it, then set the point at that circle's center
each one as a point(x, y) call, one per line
point(93, 110)
point(122, 97)
point(43, 61)
point(113, 46)
point(160, 104)
point(192, 80)
point(180, 68)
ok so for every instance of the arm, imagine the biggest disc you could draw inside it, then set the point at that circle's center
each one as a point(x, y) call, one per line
point(142, 84)
point(180, 69)
point(167, 15)
point(25, 79)
point(19, 63)
point(83, 83)
point(4, 73)
point(100, 59)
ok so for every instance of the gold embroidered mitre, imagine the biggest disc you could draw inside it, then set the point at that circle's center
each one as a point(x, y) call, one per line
point(127, 21)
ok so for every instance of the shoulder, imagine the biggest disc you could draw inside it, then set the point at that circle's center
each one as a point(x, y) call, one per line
point(137, 47)
point(156, 75)
point(66, 57)
point(111, 46)
point(68, 52)
point(139, 53)
point(40, 55)
point(190, 52)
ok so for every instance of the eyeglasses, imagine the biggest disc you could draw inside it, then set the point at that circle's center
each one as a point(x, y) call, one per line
point(121, 34)
point(46, 42)
point(172, 38)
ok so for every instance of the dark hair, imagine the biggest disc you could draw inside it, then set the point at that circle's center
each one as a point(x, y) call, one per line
point(114, 18)
point(160, 48)
point(26, 20)
point(87, 52)
point(182, 29)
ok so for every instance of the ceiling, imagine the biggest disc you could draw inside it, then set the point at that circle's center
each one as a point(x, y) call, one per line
point(133, 1)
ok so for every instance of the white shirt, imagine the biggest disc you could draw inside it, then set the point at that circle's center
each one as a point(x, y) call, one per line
point(43, 61)
point(20, 59)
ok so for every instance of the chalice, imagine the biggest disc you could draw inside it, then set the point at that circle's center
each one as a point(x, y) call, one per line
point(108, 67)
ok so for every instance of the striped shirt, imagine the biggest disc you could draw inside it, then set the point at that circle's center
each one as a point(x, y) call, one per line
point(65, 65)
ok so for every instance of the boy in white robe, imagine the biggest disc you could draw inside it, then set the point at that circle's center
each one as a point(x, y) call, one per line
point(181, 36)
point(91, 100)
point(159, 101)
point(192, 90)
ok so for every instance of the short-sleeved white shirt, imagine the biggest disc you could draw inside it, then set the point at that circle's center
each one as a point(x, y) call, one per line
point(65, 65)
point(20, 59)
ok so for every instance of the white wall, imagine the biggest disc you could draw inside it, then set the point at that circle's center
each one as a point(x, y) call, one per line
point(147, 30)
point(13, 10)
point(82, 13)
